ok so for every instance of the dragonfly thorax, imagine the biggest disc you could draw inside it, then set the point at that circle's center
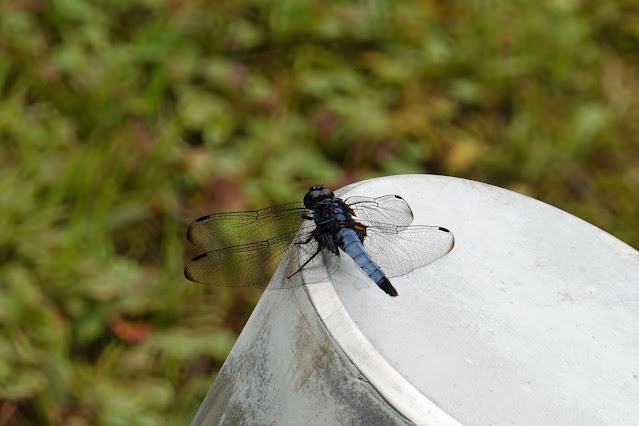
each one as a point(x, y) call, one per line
point(332, 215)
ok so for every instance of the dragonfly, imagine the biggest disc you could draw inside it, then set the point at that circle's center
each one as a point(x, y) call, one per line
point(307, 239)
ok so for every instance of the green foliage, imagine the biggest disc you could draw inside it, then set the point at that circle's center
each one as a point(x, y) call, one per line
point(122, 121)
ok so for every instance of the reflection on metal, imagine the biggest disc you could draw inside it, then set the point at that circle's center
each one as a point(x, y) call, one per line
point(531, 319)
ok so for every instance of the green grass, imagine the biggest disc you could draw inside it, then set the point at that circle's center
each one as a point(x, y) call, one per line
point(121, 123)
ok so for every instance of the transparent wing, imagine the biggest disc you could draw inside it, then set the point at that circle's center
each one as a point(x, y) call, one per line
point(318, 269)
point(400, 249)
point(253, 264)
point(391, 209)
point(233, 228)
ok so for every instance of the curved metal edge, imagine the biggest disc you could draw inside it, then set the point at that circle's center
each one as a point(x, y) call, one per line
point(392, 386)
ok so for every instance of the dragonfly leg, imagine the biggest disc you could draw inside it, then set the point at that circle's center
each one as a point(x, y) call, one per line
point(308, 240)
point(319, 249)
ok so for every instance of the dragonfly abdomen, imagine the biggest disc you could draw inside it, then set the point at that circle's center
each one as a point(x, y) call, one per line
point(351, 244)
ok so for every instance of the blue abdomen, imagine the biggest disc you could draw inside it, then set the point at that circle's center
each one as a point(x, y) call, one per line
point(350, 243)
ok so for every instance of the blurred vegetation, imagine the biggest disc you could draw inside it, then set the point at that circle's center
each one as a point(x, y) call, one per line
point(122, 121)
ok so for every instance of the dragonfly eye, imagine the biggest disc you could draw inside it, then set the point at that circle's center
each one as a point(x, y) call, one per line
point(327, 193)
point(311, 198)
point(315, 195)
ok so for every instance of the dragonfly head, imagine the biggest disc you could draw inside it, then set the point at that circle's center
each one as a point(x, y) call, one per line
point(317, 194)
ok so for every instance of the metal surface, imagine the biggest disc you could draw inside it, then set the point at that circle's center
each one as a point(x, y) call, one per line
point(533, 318)
point(285, 369)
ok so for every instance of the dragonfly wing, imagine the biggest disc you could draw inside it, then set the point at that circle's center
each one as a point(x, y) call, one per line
point(253, 264)
point(391, 209)
point(320, 267)
point(400, 249)
point(250, 264)
point(234, 228)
